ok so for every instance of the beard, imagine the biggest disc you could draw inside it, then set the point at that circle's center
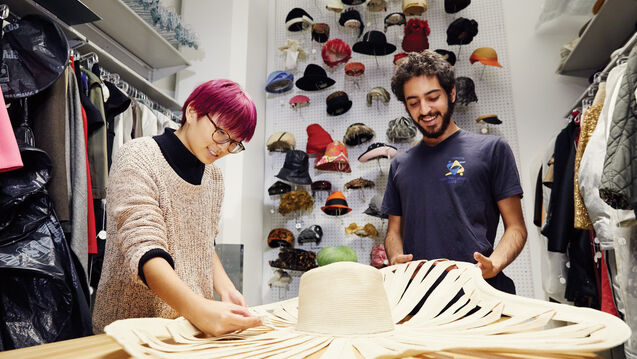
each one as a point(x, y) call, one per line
point(446, 120)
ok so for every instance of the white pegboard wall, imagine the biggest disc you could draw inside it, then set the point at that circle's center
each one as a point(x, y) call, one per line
point(493, 89)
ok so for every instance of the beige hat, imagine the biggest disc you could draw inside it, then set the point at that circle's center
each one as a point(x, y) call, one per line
point(352, 310)
point(414, 7)
point(335, 5)
point(281, 142)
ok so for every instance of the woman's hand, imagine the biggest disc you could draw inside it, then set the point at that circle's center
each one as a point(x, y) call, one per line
point(232, 295)
point(216, 318)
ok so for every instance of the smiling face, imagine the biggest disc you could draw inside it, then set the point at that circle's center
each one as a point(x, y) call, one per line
point(196, 135)
point(430, 107)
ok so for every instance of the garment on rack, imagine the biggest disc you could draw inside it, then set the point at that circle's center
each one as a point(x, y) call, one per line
point(559, 229)
point(587, 126)
point(618, 185)
point(41, 296)
point(123, 128)
point(9, 153)
point(117, 103)
point(148, 120)
point(591, 166)
point(97, 150)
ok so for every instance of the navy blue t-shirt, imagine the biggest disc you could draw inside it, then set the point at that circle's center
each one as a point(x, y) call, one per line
point(447, 195)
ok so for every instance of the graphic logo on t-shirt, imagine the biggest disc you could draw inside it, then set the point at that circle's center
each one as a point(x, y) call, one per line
point(455, 170)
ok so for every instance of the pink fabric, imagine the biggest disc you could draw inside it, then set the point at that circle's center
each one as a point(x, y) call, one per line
point(9, 152)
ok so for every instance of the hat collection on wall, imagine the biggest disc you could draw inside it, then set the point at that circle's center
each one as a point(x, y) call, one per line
point(332, 153)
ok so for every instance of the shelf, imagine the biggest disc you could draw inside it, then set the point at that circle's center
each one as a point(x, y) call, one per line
point(613, 25)
point(129, 38)
point(106, 58)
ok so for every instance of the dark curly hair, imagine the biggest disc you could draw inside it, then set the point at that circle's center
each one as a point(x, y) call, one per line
point(428, 63)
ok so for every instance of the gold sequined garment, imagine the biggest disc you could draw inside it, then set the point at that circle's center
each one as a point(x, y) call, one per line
point(587, 126)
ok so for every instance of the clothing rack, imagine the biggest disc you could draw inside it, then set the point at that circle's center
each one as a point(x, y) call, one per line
point(618, 59)
point(82, 45)
point(114, 78)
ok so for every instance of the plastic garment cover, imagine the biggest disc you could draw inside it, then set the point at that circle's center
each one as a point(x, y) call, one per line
point(41, 300)
point(34, 54)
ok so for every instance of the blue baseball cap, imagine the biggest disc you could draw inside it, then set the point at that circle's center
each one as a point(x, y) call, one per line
point(279, 82)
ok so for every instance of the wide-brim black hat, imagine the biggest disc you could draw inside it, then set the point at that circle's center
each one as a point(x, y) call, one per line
point(314, 79)
point(295, 168)
point(462, 31)
point(298, 20)
point(374, 43)
point(338, 103)
point(35, 53)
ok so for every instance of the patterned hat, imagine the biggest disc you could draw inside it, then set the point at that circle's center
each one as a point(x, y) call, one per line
point(280, 237)
point(334, 159)
point(401, 129)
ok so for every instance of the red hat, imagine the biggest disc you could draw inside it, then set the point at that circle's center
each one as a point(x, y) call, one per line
point(398, 56)
point(416, 32)
point(317, 140)
point(336, 51)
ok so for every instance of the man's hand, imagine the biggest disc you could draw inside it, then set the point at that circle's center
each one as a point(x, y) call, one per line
point(216, 318)
point(233, 296)
point(488, 267)
point(401, 258)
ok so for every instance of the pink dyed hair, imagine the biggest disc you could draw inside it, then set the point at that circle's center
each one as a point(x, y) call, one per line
point(236, 110)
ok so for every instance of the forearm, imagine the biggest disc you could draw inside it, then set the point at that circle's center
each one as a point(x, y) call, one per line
point(164, 282)
point(220, 279)
point(393, 245)
point(509, 247)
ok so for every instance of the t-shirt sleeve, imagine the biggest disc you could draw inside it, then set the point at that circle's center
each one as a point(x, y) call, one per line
point(133, 204)
point(505, 178)
point(391, 201)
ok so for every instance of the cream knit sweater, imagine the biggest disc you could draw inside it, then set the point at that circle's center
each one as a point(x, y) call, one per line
point(148, 207)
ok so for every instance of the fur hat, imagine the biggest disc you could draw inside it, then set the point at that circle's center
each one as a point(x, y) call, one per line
point(298, 200)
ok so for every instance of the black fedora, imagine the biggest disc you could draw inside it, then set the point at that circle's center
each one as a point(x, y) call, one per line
point(374, 43)
point(295, 168)
point(314, 79)
point(35, 53)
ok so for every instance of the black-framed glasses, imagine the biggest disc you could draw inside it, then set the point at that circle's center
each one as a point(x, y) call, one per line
point(220, 136)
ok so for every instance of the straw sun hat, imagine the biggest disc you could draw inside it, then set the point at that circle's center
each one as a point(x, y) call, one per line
point(351, 310)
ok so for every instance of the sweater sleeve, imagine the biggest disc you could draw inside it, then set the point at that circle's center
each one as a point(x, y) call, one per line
point(134, 207)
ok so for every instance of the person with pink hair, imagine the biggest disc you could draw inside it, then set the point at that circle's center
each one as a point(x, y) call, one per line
point(163, 205)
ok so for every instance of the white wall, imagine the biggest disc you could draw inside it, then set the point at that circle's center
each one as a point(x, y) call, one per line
point(541, 98)
point(233, 35)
